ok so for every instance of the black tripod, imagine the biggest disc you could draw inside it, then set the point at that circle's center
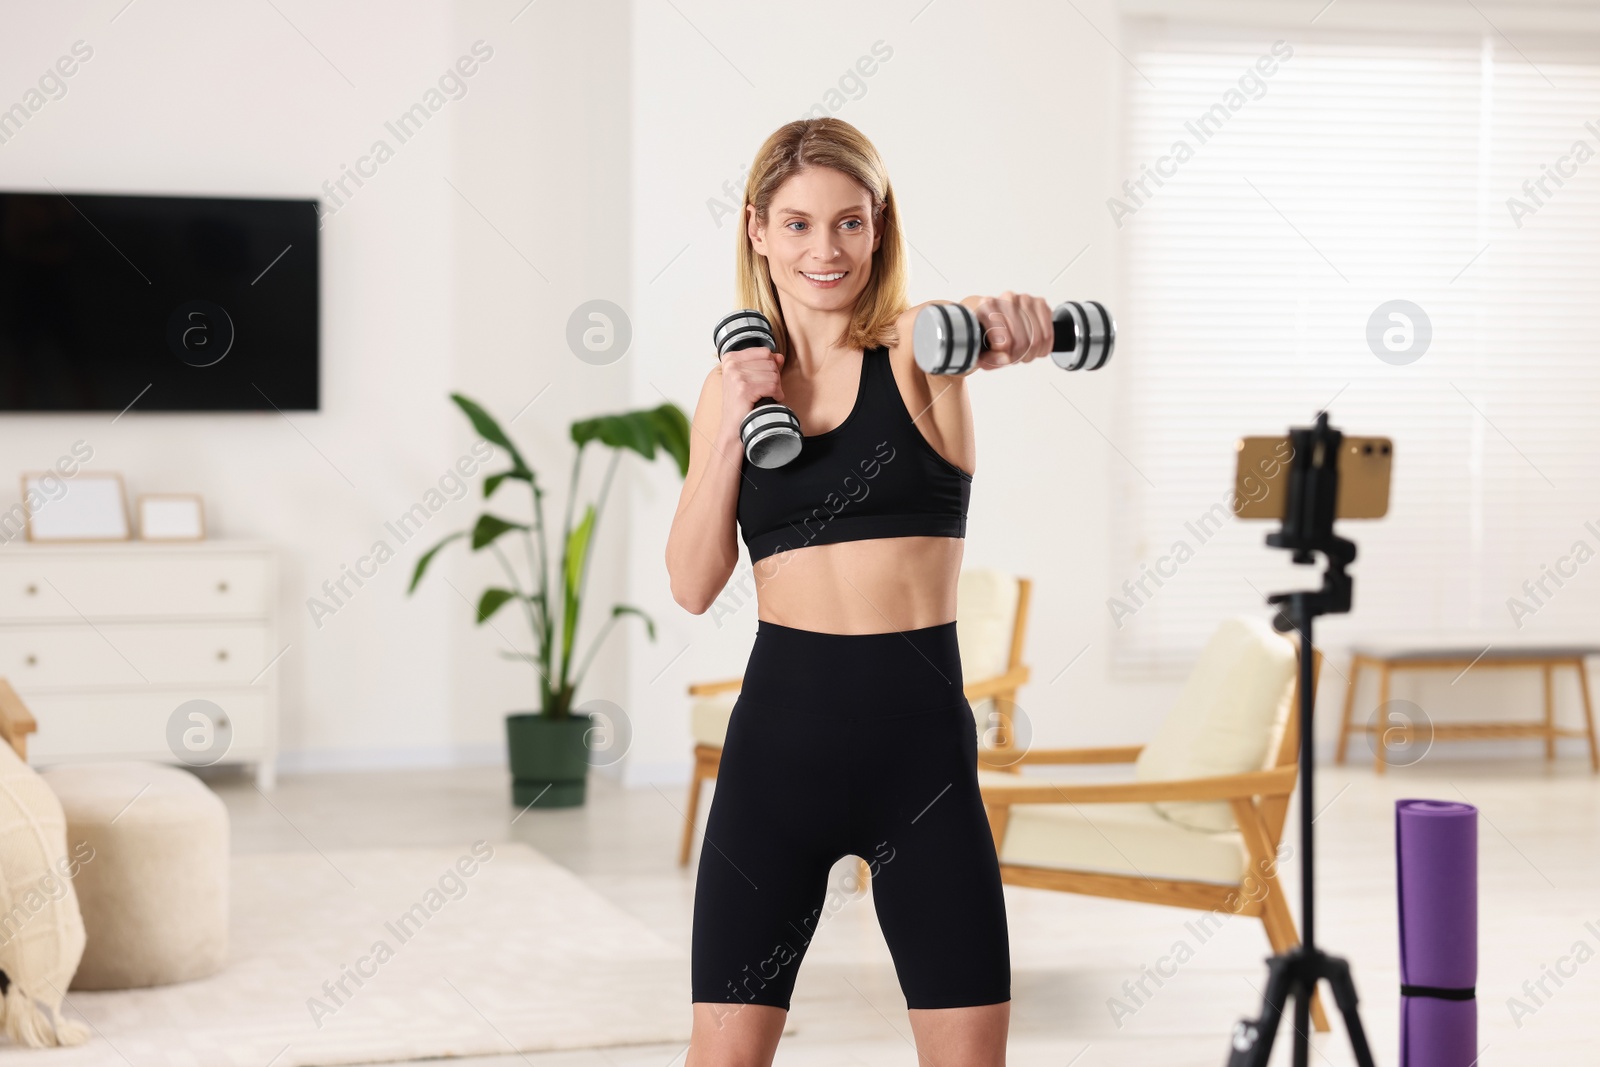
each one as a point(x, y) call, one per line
point(1308, 516)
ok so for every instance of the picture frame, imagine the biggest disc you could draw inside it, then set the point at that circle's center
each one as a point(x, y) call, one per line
point(85, 507)
point(171, 517)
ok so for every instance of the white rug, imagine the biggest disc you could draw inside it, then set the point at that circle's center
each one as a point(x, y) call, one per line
point(521, 956)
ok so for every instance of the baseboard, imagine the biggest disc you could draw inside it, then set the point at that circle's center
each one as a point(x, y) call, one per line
point(315, 761)
point(484, 754)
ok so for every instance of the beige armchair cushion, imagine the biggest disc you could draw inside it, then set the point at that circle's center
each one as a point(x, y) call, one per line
point(1225, 720)
point(986, 615)
point(1131, 839)
point(709, 715)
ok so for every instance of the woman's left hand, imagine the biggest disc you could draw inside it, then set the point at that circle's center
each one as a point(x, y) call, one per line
point(1018, 328)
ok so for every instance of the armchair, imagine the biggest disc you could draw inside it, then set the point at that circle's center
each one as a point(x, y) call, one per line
point(1200, 824)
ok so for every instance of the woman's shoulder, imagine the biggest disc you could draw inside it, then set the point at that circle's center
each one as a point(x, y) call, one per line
point(895, 337)
point(896, 340)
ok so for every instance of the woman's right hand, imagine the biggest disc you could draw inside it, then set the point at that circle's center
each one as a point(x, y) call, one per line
point(748, 375)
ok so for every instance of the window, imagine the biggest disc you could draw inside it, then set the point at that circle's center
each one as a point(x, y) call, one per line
point(1288, 197)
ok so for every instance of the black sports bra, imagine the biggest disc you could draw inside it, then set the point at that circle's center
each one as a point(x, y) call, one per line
point(873, 475)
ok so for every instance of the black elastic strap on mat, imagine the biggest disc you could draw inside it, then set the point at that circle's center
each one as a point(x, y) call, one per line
point(1437, 992)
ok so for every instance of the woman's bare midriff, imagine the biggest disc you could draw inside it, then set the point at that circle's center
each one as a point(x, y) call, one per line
point(872, 586)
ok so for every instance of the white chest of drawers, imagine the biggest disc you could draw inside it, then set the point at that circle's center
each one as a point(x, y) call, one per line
point(105, 641)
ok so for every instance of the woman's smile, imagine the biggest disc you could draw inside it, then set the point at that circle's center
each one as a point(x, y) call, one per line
point(829, 280)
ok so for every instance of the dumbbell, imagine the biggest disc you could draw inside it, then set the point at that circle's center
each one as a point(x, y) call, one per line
point(771, 432)
point(947, 339)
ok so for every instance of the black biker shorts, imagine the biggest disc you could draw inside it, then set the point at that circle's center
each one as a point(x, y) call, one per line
point(850, 744)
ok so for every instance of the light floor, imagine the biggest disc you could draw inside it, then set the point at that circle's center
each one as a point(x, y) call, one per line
point(1539, 877)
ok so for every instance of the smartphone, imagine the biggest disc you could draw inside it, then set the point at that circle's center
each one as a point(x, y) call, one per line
point(1261, 481)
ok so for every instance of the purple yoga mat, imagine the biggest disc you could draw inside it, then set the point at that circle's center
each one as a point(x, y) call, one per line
point(1436, 856)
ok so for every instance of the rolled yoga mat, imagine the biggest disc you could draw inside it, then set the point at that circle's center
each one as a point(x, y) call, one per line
point(1436, 853)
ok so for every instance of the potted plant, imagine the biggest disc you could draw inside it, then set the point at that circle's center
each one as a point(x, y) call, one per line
point(548, 749)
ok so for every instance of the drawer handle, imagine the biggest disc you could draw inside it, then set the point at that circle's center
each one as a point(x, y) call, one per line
point(222, 587)
point(222, 653)
point(222, 720)
point(33, 590)
point(31, 659)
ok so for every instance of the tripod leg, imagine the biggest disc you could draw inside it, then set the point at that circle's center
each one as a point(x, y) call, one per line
point(1344, 994)
point(1281, 932)
point(1250, 1044)
point(1302, 1024)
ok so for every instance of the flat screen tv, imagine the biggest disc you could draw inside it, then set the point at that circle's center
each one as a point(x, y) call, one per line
point(157, 303)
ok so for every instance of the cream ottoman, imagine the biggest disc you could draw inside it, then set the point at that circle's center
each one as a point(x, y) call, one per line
point(154, 894)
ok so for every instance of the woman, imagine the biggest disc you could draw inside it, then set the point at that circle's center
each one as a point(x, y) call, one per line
point(851, 734)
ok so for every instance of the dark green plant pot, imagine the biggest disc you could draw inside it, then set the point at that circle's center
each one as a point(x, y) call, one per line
point(549, 759)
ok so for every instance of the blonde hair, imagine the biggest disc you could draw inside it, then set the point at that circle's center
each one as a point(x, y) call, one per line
point(826, 142)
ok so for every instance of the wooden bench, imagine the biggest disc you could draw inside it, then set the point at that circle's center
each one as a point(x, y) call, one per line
point(1390, 660)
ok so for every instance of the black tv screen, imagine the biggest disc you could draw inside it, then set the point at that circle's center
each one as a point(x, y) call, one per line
point(157, 303)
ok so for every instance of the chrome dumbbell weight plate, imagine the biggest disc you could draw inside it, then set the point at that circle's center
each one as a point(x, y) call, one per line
point(770, 433)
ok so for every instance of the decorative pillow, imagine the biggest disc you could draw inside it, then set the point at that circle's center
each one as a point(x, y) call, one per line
point(41, 931)
point(1224, 719)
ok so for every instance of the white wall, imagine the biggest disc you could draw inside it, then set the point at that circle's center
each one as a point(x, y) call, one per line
point(420, 297)
point(545, 161)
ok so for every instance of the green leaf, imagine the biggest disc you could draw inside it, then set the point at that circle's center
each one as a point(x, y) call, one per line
point(672, 430)
point(641, 431)
point(492, 482)
point(490, 527)
point(577, 549)
point(427, 557)
point(628, 430)
point(628, 609)
point(490, 431)
point(491, 602)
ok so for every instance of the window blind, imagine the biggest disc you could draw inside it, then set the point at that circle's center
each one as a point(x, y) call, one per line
point(1323, 182)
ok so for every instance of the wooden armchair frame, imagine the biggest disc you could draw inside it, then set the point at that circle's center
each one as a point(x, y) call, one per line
point(1260, 803)
point(1002, 687)
point(16, 722)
